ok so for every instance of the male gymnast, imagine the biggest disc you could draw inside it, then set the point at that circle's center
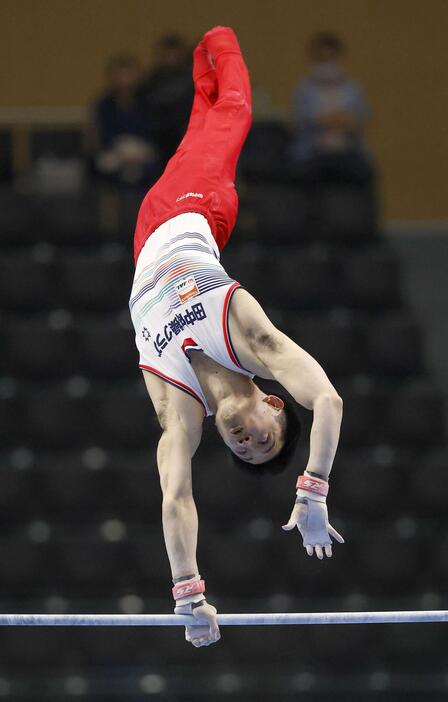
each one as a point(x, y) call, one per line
point(202, 338)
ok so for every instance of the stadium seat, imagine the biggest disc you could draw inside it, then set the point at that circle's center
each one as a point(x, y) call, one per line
point(106, 349)
point(26, 285)
point(337, 344)
point(73, 493)
point(364, 420)
point(150, 562)
point(6, 165)
point(33, 350)
point(56, 420)
point(265, 153)
point(303, 280)
point(20, 221)
point(416, 643)
point(12, 421)
point(371, 278)
point(344, 213)
point(70, 219)
point(87, 562)
point(364, 486)
point(246, 264)
point(233, 559)
point(35, 649)
point(394, 345)
point(24, 563)
point(93, 283)
point(59, 143)
point(417, 414)
point(340, 647)
point(18, 493)
point(137, 491)
point(385, 561)
point(126, 420)
point(282, 213)
point(429, 483)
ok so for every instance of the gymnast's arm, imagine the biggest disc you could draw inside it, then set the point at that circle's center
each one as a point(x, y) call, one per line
point(269, 353)
point(306, 381)
point(180, 417)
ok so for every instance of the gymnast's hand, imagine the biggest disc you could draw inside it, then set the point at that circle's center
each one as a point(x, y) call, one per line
point(203, 635)
point(311, 519)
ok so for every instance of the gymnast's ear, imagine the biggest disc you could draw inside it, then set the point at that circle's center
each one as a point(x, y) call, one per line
point(274, 401)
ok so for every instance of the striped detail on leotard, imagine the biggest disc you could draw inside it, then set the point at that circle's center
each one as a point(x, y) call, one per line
point(225, 325)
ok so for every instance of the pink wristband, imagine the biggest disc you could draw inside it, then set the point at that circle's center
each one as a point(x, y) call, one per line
point(188, 587)
point(320, 487)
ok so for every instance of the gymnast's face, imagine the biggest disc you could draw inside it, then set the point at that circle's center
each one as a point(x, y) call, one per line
point(252, 427)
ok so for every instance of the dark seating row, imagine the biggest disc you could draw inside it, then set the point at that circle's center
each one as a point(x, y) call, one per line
point(58, 346)
point(297, 278)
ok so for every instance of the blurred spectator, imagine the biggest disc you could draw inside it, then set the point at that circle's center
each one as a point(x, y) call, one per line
point(167, 92)
point(124, 150)
point(330, 113)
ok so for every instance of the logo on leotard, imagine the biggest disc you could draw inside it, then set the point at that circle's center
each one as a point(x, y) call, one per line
point(182, 197)
point(186, 288)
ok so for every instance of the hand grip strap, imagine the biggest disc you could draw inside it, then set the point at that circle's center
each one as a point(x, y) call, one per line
point(314, 485)
point(188, 587)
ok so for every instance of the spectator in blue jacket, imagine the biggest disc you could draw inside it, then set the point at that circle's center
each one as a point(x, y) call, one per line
point(330, 115)
point(124, 149)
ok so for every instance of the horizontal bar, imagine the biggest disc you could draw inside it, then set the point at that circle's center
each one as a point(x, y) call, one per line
point(394, 617)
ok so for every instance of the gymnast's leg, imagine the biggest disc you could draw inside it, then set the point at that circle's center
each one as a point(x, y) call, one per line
point(205, 95)
point(228, 121)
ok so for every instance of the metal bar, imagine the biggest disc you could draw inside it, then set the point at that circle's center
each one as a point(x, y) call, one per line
point(393, 617)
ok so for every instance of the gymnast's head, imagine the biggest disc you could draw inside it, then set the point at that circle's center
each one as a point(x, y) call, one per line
point(261, 431)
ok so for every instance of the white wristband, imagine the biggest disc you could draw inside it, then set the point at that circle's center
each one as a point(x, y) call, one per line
point(307, 495)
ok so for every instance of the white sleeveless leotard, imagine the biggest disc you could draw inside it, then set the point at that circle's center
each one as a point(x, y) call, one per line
point(180, 301)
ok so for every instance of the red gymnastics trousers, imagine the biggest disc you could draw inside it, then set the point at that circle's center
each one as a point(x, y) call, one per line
point(200, 175)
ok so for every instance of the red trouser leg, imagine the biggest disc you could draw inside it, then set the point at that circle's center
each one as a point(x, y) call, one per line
point(228, 121)
point(205, 94)
point(222, 109)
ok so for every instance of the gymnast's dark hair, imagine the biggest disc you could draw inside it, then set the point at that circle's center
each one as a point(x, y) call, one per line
point(291, 435)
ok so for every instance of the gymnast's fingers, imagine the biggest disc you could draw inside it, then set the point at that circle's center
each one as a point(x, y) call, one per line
point(335, 534)
point(328, 551)
point(319, 552)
